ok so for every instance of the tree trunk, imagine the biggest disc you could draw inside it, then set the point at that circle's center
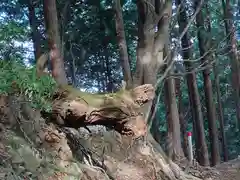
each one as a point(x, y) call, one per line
point(121, 39)
point(54, 41)
point(211, 111)
point(73, 67)
point(152, 35)
point(233, 55)
point(183, 122)
point(155, 129)
point(175, 150)
point(153, 32)
point(63, 20)
point(220, 114)
point(169, 138)
point(35, 32)
point(201, 147)
point(109, 74)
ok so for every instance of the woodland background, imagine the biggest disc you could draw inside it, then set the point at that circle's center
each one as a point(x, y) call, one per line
point(197, 86)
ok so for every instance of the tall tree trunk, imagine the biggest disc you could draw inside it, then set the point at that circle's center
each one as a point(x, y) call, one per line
point(64, 17)
point(183, 122)
point(201, 146)
point(152, 35)
point(203, 41)
point(34, 27)
point(54, 41)
point(220, 114)
point(151, 41)
point(121, 39)
point(175, 151)
point(233, 55)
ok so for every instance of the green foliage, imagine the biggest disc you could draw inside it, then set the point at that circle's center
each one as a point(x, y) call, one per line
point(16, 78)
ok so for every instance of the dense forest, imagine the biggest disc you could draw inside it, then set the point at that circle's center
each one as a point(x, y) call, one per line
point(112, 89)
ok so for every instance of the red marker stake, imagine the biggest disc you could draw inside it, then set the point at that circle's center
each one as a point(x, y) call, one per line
point(190, 148)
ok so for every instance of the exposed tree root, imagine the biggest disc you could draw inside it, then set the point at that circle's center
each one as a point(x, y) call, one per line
point(120, 111)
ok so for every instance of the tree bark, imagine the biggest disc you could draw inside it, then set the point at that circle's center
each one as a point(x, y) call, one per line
point(152, 35)
point(73, 66)
point(35, 32)
point(121, 39)
point(211, 111)
point(220, 114)
point(201, 146)
point(54, 41)
point(233, 55)
point(175, 150)
point(183, 122)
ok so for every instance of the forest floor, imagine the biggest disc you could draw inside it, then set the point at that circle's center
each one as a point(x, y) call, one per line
point(229, 170)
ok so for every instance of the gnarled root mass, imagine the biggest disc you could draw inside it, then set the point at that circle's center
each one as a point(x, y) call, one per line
point(120, 111)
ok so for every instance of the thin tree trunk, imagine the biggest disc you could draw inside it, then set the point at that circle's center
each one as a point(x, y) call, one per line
point(183, 122)
point(63, 21)
point(108, 72)
point(211, 111)
point(233, 55)
point(201, 146)
point(122, 44)
point(73, 67)
point(35, 32)
point(220, 114)
point(175, 151)
point(51, 21)
point(169, 139)
point(155, 123)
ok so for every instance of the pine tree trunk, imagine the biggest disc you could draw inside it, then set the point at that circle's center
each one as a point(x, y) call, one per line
point(233, 55)
point(211, 111)
point(54, 41)
point(201, 146)
point(121, 39)
point(35, 33)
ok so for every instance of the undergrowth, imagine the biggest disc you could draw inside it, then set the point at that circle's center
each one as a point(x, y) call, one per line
point(17, 78)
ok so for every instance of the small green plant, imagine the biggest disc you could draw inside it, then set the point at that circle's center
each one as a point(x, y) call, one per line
point(17, 78)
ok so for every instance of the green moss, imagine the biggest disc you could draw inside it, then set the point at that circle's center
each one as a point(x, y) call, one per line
point(96, 99)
